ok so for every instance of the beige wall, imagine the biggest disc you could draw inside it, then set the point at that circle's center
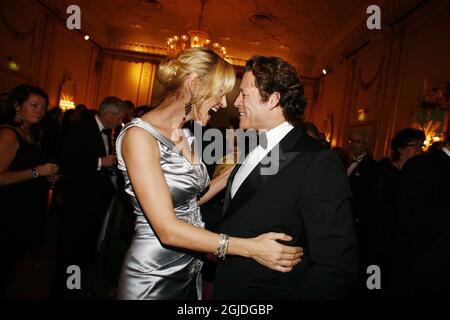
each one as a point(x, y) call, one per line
point(386, 78)
point(48, 53)
point(126, 78)
point(19, 39)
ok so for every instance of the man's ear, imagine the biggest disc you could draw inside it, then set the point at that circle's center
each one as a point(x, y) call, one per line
point(274, 100)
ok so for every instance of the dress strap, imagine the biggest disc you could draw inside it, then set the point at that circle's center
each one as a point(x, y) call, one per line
point(138, 122)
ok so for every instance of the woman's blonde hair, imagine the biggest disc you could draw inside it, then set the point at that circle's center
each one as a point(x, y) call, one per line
point(216, 76)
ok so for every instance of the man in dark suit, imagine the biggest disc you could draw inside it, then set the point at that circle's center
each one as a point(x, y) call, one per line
point(87, 158)
point(289, 183)
point(422, 250)
point(361, 171)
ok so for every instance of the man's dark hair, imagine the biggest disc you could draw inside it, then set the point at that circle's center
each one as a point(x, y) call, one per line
point(273, 74)
point(402, 138)
point(311, 129)
point(127, 104)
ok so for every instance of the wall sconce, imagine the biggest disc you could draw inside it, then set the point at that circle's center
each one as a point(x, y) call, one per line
point(66, 102)
point(13, 64)
point(362, 114)
point(326, 70)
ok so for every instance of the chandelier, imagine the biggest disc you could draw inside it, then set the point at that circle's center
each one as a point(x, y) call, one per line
point(194, 38)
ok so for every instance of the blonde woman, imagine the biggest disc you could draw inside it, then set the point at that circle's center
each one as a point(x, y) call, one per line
point(164, 177)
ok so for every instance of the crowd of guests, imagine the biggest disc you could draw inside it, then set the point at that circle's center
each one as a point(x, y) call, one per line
point(400, 207)
point(60, 161)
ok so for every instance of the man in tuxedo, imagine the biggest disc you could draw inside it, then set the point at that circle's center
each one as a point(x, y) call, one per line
point(361, 172)
point(306, 196)
point(87, 158)
point(421, 251)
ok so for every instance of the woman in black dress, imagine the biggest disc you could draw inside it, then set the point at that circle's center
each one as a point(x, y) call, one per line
point(24, 175)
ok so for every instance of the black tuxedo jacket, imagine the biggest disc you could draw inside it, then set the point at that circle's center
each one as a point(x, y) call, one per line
point(422, 249)
point(83, 145)
point(86, 196)
point(308, 199)
point(361, 184)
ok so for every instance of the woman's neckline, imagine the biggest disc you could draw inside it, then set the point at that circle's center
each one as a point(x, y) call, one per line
point(172, 145)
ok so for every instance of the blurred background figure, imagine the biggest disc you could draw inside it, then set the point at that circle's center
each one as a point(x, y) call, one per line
point(52, 134)
point(141, 110)
point(24, 171)
point(343, 155)
point(311, 130)
point(87, 191)
point(3, 105)
point(360, 172)
point(129, 110)
point(382, 221)
point(421, 254)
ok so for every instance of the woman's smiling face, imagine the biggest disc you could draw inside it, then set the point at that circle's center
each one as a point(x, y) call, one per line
point(211, 104)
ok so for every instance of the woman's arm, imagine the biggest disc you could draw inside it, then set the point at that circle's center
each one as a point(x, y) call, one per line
point(142, 157)
point(216, 185)
point(8, 149)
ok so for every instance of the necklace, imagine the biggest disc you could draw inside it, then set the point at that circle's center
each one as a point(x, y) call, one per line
point(26, 135)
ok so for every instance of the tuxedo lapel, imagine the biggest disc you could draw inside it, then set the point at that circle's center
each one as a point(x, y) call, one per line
point(98, 137)
point(255, 180)
point(227, 199)
point(248, 187)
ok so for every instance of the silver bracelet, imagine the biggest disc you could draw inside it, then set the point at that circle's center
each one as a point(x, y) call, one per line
point(223, 246)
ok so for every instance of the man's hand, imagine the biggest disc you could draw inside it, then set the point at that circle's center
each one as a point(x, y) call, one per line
point(109, 161)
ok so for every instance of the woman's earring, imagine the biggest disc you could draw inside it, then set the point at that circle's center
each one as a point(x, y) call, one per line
point(187, 110)
point(18, 119)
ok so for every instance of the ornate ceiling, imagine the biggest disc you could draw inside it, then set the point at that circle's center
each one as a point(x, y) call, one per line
point(299, 31)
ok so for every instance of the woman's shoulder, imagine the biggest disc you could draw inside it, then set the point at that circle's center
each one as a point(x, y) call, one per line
point(137, 136)
point(8, 134)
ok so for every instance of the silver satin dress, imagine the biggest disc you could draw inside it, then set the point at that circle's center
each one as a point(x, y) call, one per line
point(152, 271)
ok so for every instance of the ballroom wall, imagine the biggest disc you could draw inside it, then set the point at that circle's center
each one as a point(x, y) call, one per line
point(382, 74)
point(386, 77)
point(49, 53)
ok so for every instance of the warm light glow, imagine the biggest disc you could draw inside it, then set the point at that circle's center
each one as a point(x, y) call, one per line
point(324, 71)
point(429, 140)
point(362, 114)
point(13, 65)
point(86, 37)
point(194, 39)
point(66, 102)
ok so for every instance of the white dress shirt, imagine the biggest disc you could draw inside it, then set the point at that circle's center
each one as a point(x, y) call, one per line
point(446, 151)
point(105, 141)
point(274, 136)
point(354, 164)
